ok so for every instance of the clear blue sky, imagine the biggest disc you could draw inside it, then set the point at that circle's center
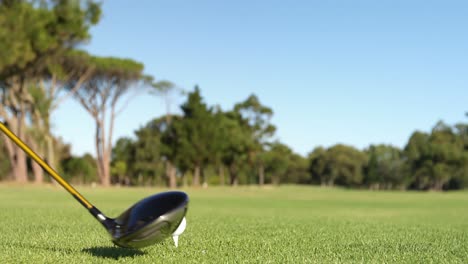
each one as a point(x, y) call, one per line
point(353, 72)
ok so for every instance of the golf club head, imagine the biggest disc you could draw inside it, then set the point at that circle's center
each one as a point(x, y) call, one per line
point(150, 221)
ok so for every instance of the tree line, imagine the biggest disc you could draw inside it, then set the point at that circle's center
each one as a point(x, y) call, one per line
point(42, 66)
point(208, 146)
point(437, 160)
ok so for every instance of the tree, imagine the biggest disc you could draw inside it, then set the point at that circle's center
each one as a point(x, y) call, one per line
point(460, 177)
point(461, 130)
point(5, 169)
point(33, 37)
point(148, 156)
point(80, 169)
point(123, 156)
point(318, 166)
point(417, 152)
point(195, 133)
point(447, 154)
point(385, 168)
point(339, 164)
point(277, 161)
point(109, 80)
point(48, 92)
point(297, 170)
point(256, 118)
point(165, 89)
point(435, 158)
point(235, 146)
point(170, 149)
point(220, 142)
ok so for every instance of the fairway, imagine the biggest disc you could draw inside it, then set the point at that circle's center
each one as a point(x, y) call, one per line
point(243, 225)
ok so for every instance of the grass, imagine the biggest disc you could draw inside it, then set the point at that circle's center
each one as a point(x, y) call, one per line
point(243, 225)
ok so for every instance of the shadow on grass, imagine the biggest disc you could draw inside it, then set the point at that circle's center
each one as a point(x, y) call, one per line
point(113, 252)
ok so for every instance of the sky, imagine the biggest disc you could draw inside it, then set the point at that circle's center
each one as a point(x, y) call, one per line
point(351, 72)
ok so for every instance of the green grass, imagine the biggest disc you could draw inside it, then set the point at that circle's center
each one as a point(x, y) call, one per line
point(243, 225)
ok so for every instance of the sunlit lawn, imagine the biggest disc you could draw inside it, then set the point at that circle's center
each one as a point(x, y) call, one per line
point(244, 224)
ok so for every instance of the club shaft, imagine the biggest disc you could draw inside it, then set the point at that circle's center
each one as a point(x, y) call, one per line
point(46, 166)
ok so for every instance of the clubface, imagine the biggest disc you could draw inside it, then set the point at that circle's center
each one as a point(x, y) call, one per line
point(149, 221)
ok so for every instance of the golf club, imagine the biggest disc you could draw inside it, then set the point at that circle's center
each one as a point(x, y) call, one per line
point(149, 221)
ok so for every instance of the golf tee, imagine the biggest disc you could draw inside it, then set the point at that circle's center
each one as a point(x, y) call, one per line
point(176, 240)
